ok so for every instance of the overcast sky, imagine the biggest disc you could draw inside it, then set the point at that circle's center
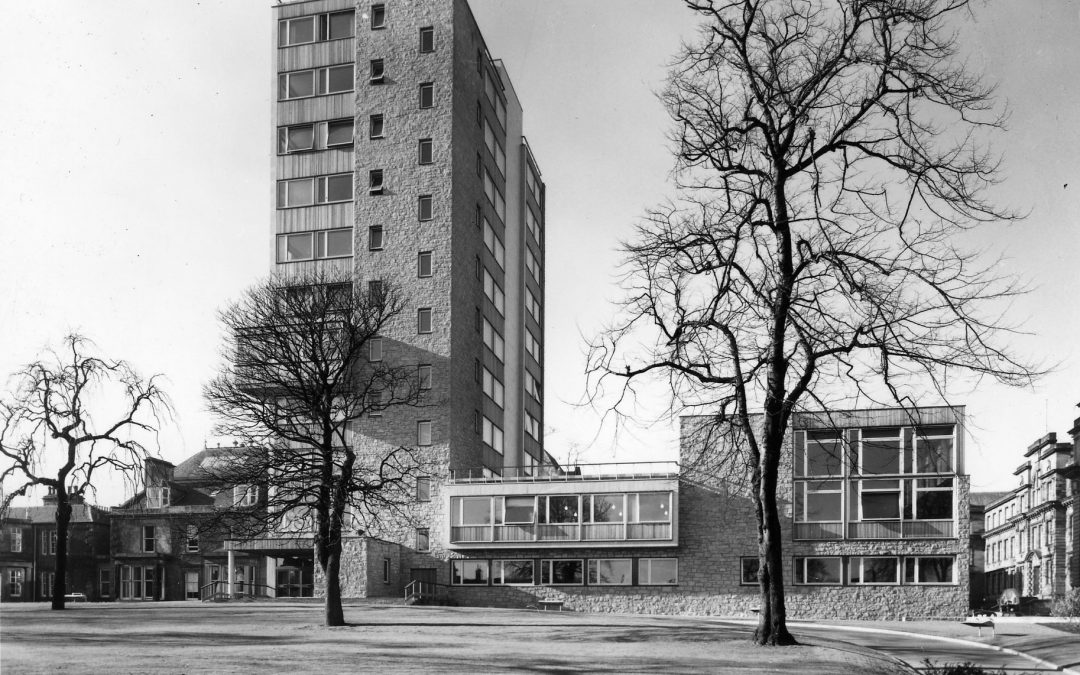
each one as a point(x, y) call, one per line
point(135, 176)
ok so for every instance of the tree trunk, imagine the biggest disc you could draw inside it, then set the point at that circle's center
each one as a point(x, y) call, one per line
point(772, 624)
point(63, 519)
point(334, 614)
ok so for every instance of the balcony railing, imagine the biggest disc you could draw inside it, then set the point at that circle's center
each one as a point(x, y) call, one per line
point(560, 532)
point(878, 529)
point(578, 472)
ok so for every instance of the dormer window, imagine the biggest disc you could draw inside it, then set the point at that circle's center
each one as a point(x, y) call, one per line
point(157, 497)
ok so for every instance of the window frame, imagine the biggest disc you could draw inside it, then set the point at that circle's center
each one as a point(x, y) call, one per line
point(645, 571)
point(857, 564)
point(425, 314)
point(423, 539)
point(427, 95)
point(421, 426)
point(593, 571)
point(743, 560)
point(423, 489)
point(796, 568)
point(547, 571)
point(320, 81)
point(917, 567)
point(458, 578)
point(377, 71)
point(429, 201)
point(376, 181)
point(372, 230)
point(860, 468)
point(375, 349)
point(319, 191)
point(378, 16)
point(429, 47)
point(423, 272)
point(149, 539)
point(422, 144)
point(319, 245)
point(320, 29)
point(376, 126)
point(498, 571)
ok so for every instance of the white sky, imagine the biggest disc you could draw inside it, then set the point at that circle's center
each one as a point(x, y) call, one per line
point(135, 176)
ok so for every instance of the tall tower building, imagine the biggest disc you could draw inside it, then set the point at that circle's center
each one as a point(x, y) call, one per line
point(399, 158)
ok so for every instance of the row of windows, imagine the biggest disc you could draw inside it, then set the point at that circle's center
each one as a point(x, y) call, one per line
point(635, 507)
point(340, 25)
point(863, 570)
point(882, 499)
point(876, 451)
point(565, 572)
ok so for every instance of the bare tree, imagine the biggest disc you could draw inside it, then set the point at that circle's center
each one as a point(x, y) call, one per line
point(303, 372)
point(51, 433)
point(830, 157)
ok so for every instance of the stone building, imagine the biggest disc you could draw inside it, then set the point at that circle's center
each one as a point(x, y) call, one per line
point(1026, 538)
point(166, 544)
point(981, 596)
point(1032, 542)
point(28, 551)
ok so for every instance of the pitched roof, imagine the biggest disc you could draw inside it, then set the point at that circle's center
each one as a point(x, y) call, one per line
point(80, 513)
point(200, 465)
point(985, 498)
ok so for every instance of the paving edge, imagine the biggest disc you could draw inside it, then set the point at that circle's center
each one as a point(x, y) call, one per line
point(888, 631)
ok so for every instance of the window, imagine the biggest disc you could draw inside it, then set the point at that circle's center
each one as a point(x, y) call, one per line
point(469, 572)
point(375, 349)
point(658, 571)
point(879, 499)
point(423, 539)
point(423, 264)
point(423, 320)
point(48, 580)
point(427, 40)
point(339, 132)
point(315, 190)
point(559, 509)
point(493, 388)
point(427, 95)
point(245, 495)
point(375, 181)
point(519, 510)
point(423, 433)
point(532, 265)
point(650, 507)
point(316, 82)
point(531, 225)
point(493, 292)
point(314, 245)
point(493, 195)
point(822, 455)
point(425, 151)
point(378, 71)
point(318, 28)
point(611, 572)
point(16, 579)
point(16, 540)
point(934, 449)
point(494, 244)
point(192, 543)
point(386, 570)
point(532, 306)
point(296, 138)
point(492, 435)
point(933, 498)
point(375, 126)
point(873, 570)
point(929, 570)
point(423, 489)
point(378, 17)
point(879, 451)
point(157, 497)
point(493, 340)
point(149, 539)
point(532, 387)
point(818, 501)
point(375, 238)
point(749, 571)
point(561, 572)
point(423, 376)
point(532, 427)
point(512, 573)
point(817, 571)
point(424, 208)
point(48, 542)
point(532, 346)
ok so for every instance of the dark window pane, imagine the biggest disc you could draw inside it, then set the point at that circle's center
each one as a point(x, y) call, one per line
point(823, 570)
point(563, 509)
point(519, 509)
point(823, 457)
point(427, 40)
point(299, 247)
point(879, 570)
point(301, 138)
point(301, 84)
point(822, 506)
point(340, 78)
point(339, 188)
point(566, 572)
point(516, 572)
point(880, 456)
point(338, 243)
point(933, 455)
point(341, 25)
point(302, 30)
point(936, 504)
point(880, 505)
point(750, 570)
point(339, 132)
point(378, 16)
point(299, 192)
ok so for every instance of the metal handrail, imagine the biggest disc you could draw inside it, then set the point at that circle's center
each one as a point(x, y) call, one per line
point(418, 589)
point(211, 590)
